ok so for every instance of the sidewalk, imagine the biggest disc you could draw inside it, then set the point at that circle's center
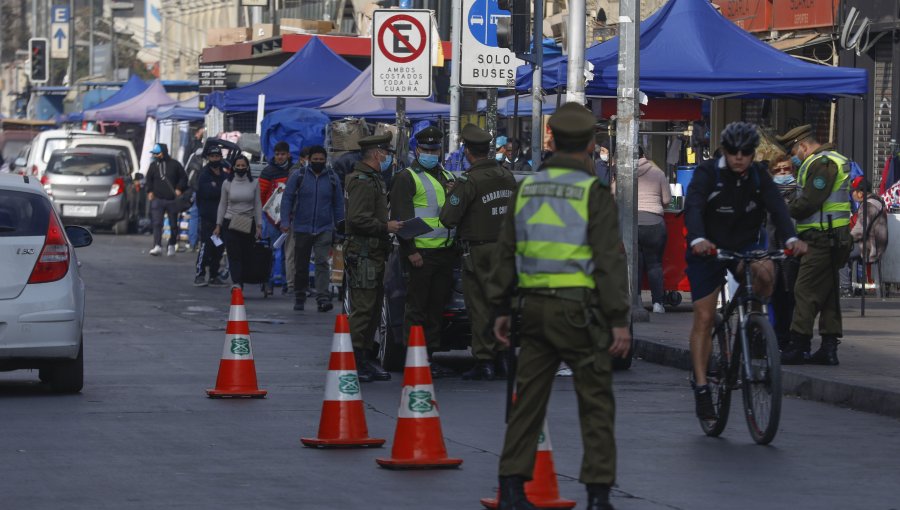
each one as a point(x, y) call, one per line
point(868, 378)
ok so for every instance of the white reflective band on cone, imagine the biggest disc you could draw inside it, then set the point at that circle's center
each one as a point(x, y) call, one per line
point(418, 402)
point(237, 347)
point(341, 343)
point(342, 385)
point(237, 313)
point(416, 356)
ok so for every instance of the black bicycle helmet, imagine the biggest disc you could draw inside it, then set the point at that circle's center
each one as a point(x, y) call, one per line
point(740, 136)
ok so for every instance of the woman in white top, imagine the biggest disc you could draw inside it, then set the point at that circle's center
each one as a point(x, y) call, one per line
point(240, 217)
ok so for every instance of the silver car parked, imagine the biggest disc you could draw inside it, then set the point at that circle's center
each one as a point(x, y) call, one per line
point(92, 186)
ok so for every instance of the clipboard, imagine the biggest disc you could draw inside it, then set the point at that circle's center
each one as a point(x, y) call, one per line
point(413, 228)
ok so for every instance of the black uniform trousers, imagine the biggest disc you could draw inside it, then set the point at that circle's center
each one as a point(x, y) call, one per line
point(427, 292)
point(159, 208)
point(209, 255)
point(239, 247)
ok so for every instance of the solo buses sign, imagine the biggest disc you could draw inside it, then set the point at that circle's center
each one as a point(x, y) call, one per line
point(482, 63)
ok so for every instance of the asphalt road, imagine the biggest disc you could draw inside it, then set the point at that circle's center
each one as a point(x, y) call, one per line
point(143, 435)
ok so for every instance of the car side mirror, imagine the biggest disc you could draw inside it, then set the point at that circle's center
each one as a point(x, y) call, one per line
point(19, 162)
point(79, 236)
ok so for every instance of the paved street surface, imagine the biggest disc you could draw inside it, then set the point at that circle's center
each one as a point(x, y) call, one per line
point(143, 435)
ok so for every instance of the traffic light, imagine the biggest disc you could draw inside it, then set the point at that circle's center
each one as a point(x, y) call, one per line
point(512, 31)
point(40, 63)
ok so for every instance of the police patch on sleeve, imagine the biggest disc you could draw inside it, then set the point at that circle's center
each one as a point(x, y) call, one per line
point(454, 200)
point(819, 183)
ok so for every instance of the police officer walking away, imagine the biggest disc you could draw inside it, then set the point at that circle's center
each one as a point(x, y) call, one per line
point(420, 191)
point(560, 245)
point(476, 207)
point(366, 249)
point(822, 211)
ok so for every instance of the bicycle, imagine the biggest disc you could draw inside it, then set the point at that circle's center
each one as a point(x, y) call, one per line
point(740, 329)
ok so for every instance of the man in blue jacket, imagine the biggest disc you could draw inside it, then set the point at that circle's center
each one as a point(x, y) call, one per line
point(209, 190)
point(313, 202)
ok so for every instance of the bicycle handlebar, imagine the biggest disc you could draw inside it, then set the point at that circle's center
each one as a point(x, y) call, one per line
point(750, 255)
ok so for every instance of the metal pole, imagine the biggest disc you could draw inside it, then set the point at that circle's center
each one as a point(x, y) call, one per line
point(72, 43)
point(34, 18)
point(627, 115)
point(514, 128)
point(537, 127)
point(575, 76)
point(112, 43)
point(456, 16)
point(492, 117)
point(91, 38)
point(401, 130)
point(255, 15)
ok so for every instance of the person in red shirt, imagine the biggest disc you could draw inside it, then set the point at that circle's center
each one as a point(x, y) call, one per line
point(272, 176)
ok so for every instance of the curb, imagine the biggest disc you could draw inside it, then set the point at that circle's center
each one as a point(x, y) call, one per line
point(854, 396)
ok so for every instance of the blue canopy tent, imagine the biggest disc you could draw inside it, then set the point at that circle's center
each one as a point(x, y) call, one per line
point(357, 101)
point(299, 127)
point(183, 110)
point(307, 79)
point(506, 106)
point(134, 109)
point(687, 47)
point(131, 88)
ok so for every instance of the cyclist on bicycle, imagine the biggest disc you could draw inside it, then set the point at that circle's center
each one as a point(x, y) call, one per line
point(726, 207)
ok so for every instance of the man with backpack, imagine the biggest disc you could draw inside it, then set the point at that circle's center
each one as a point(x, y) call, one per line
point(313, 202)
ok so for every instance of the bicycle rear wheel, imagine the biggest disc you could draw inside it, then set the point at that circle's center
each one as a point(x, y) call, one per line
point(762, 388)
point(717, 379)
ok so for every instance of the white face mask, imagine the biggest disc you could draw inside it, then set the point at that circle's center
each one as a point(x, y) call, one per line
point(604, 157)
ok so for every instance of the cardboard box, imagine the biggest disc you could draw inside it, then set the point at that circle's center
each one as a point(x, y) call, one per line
point(345, 134)
point(224, 36)
point(306, 26)
point(263, 31)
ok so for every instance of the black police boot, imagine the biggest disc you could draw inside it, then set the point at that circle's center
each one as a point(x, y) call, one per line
point(483, 369)
point(797, 350)
point(363, 370)
point(598, 497)
point(299, 303)
point(512, 494)
point(501, 365)
point(827, 353)
point(378, 371)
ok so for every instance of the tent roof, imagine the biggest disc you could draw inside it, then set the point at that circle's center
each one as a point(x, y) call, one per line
point(357, 101)
point(134, 109)
point(182, 110)
point(308, 79)
point(130, 88)
point(687, 47)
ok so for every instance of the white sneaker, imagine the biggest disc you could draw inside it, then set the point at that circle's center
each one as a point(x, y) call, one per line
point(658, 308)
point(156, 251)
point(564, 371)
point(171, 252)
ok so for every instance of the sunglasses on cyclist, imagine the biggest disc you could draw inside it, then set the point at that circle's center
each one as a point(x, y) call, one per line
point(741, 152)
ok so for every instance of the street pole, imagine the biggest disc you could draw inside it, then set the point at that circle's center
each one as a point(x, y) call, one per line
point(456, 16)
point(575, 76)
point(627, 114)
point(492, 117)
point(91, 37)
point(72, 43)
point(34, 18)
point(401, 130)
point(112, 44)
point(537, 102)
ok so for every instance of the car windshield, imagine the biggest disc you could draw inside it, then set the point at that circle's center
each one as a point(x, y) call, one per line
point(82, 164)
point(12, 148)
point(121, 150)
point(23, 214)
point(51, 145)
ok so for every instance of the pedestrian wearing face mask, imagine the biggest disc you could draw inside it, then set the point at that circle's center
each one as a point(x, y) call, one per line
point(513, 160)
point(603, 166)
point(239, 218)
point(782, 171)
point(166, 180)
point(311, 207)
point(209, 192)
point(420, 191)
point(274, 175)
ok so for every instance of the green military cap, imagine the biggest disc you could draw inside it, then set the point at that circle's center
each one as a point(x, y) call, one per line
point(474, 135)
point(573, 122)
point(430, 138)
point(382, 141)
point(795, 135)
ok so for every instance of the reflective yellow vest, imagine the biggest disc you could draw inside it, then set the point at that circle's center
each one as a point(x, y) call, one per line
point(551, 219)
point(428, 201)
point(838, 203)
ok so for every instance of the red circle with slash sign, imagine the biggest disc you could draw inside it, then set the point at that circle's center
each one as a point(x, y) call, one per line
point(388, 25)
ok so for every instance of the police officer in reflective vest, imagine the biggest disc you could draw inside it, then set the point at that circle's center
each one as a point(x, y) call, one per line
point(419, 191)
point(560, 245)
point(822, 212)
point(366, 249)
point(476, 207)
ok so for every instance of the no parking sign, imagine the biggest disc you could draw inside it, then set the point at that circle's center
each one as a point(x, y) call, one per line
point(401, 53)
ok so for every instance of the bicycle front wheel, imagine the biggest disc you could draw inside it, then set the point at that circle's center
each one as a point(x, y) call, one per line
point(717, 379)
point(762, 387)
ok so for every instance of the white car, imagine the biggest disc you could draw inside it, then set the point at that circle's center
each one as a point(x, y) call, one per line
point(125, 147)
point(41, 289)
point(43, 145)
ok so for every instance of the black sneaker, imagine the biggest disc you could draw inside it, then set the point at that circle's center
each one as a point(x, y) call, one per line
point(483, 370)
point(440, 371)
point(200, 281)
point(216, 282)
point(325, 306)
point(703, 399)
point(299, 305)
point(378, 372)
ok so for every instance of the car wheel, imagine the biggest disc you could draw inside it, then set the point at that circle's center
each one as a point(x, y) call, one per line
point(391, 351)
point(120, 228)
point(65, 376)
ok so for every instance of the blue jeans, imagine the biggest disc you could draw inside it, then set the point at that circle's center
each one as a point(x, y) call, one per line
point(651, 246)
point(194, 225)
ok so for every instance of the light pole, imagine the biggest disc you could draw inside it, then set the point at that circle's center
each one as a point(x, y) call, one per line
point(113, 7)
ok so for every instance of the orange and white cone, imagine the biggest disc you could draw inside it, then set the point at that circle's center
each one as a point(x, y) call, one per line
point(418, 440)
point(343, 421)
point(237, 371)
point(542, 490)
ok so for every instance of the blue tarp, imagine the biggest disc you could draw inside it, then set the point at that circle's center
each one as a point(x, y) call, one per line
point(299, 127)
point(687, 47)
point(357, 101)
point(182, 110)
point(308, 79)
point(506, 106)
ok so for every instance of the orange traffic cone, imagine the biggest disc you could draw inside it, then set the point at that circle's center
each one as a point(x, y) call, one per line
point(543, 490)
point(237, 372)
point(343, 421)
point(418, 441)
